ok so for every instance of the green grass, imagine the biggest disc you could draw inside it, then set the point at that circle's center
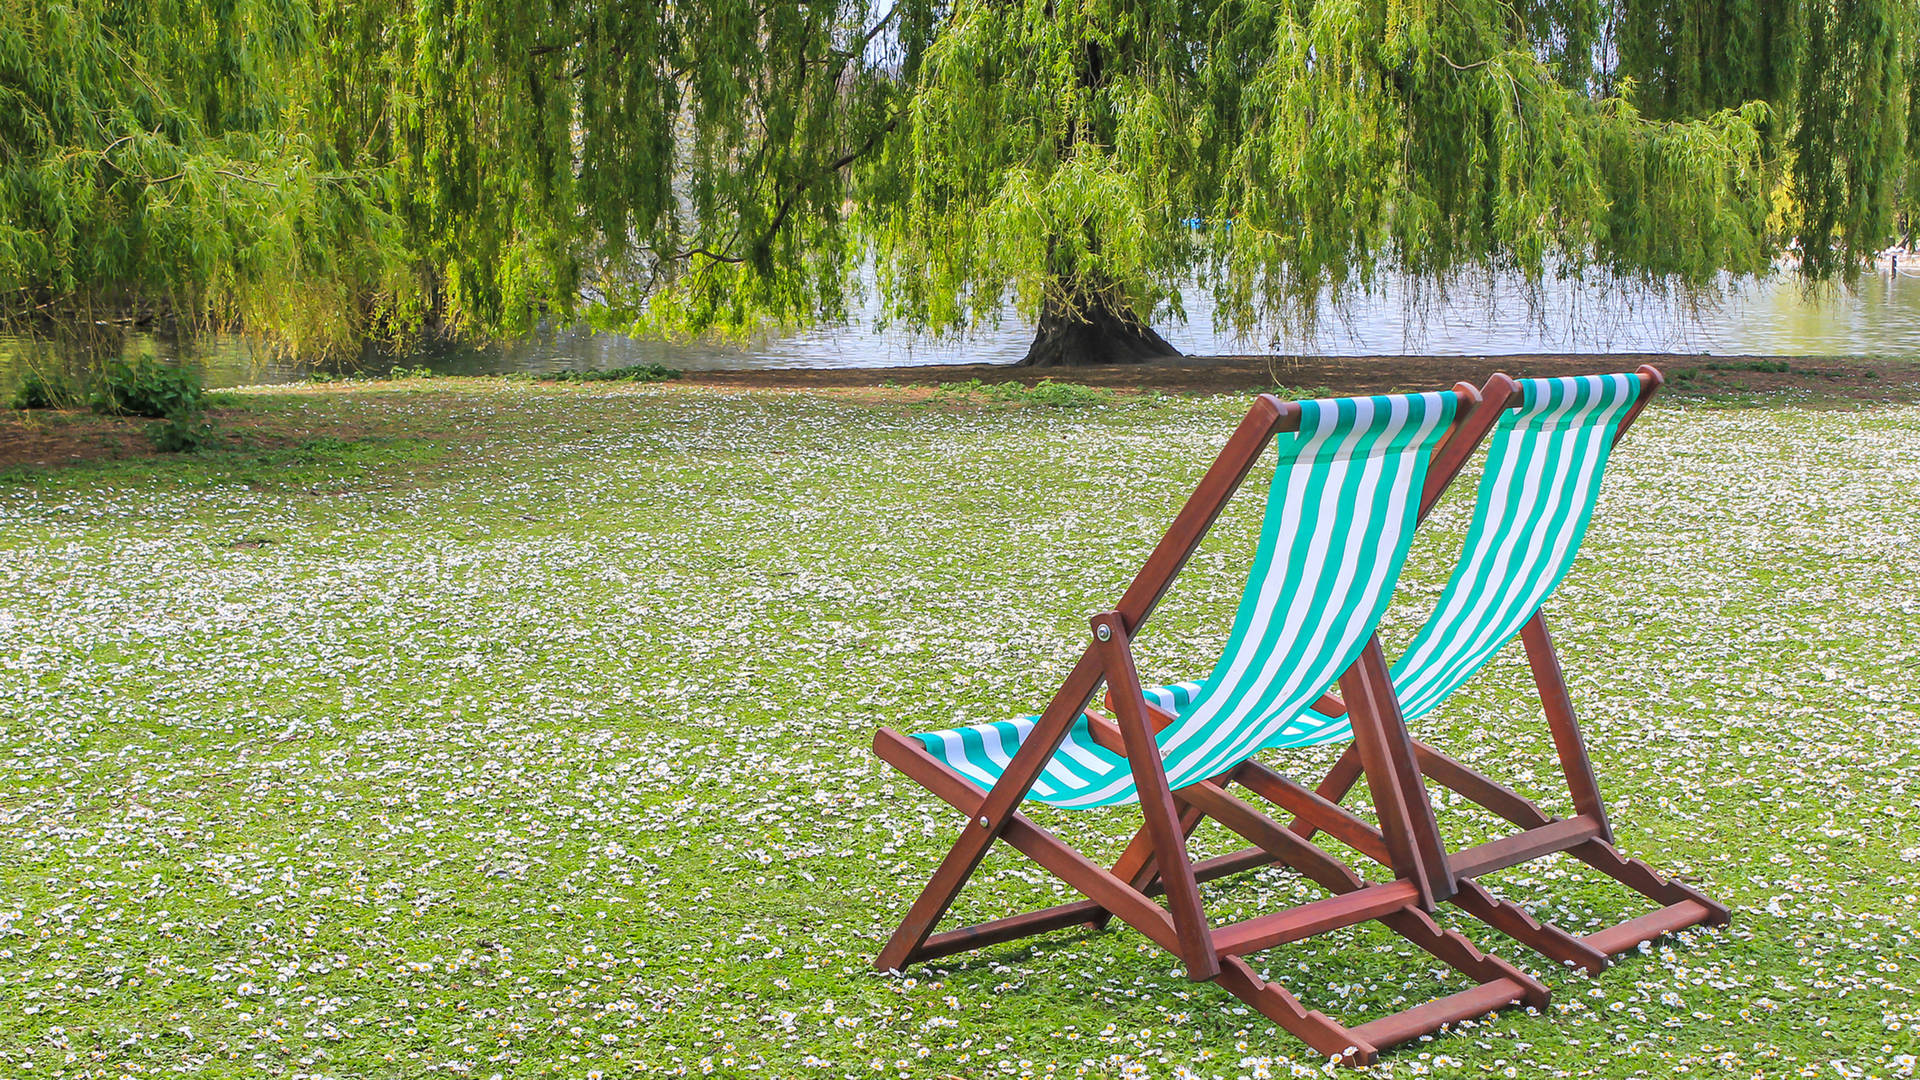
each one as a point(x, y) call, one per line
point(523, 731)
point(1046, 392)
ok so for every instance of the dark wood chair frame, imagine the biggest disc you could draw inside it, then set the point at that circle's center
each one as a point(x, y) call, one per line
point(1586, 836)
point(1156, 860)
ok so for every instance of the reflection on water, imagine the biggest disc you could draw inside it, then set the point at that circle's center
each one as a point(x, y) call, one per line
point(1777, 317)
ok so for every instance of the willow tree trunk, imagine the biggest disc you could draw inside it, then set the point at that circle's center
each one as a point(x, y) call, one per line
point(1092, 330)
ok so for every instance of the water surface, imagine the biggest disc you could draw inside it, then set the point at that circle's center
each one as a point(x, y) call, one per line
point(1881, 315)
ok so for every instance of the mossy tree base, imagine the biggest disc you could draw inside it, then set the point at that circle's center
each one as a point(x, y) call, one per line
point(1093, 332)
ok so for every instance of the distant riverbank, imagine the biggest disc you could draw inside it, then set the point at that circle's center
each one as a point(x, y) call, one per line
point(1892, 378)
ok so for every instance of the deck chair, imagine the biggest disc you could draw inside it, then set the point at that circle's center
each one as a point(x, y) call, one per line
point(1351, 478)
point(1545, 463)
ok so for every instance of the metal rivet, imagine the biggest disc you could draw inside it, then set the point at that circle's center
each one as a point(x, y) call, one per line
point(1103, 632)
point(983, 821)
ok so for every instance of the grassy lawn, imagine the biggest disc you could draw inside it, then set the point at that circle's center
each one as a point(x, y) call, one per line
point(523, 731)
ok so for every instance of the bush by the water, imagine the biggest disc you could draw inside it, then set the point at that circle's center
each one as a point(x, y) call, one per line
point(146, 387)
point(181, 433)
point(45, 391)
point(631, 373)
point(140, 387)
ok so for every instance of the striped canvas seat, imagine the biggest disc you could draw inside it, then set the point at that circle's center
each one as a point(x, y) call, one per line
point(1537, 495)
point(1340, 514)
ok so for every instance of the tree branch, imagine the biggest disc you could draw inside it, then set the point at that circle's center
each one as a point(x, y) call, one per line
point(786, 202)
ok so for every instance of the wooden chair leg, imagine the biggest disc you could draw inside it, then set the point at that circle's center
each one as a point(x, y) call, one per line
point(1333, 787)
point(1393, 776)
point(1550, 681)
point(1156, 799)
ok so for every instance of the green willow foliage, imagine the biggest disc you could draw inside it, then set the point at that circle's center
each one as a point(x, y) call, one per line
point(676, 165)
point(1325, 142)
point(323, 172)
point(152, 163)
point(1852, 121)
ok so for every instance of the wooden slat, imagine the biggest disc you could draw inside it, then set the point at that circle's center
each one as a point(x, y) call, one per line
point(1309, 807)
point(1318, 917)
point(1226, 865)
point(1618, 939)
point(1496, 797)
point(1094, 882)
point(1524, 846)
point(1011, 928)
point(1650, 383)
point(1421, 1019)
point(1264, 832)
point(1643, 879)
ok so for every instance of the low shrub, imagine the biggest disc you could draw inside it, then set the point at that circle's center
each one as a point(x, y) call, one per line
point(45, 391)
point(146, 387)
point(183, 433)
point(631, 373)
point(1057, 395)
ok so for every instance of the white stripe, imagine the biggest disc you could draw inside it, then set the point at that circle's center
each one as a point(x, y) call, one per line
point(1236, 691)
point(1306, 684)
point(1450, 645)
point(1428, 678)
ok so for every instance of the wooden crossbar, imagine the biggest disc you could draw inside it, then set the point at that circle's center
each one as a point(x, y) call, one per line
point(1525, 846)
point(1357, 901)
point(1315, 918)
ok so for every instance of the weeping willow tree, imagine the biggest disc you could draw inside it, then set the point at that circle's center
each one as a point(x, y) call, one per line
point(696, 167)
point(1063, 151)
point(152, 165)
point(321, 170)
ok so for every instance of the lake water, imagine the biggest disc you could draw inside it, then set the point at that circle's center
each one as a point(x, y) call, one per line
point(1881, 315)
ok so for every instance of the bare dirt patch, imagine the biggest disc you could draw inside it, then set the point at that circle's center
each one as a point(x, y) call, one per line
point(281, 417)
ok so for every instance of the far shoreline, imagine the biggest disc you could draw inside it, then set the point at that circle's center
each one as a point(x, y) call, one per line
point(1870, 377)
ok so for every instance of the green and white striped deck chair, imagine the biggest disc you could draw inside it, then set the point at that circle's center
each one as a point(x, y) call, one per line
point(1340, 514)
point(1545, 463)
point(1339, 519)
